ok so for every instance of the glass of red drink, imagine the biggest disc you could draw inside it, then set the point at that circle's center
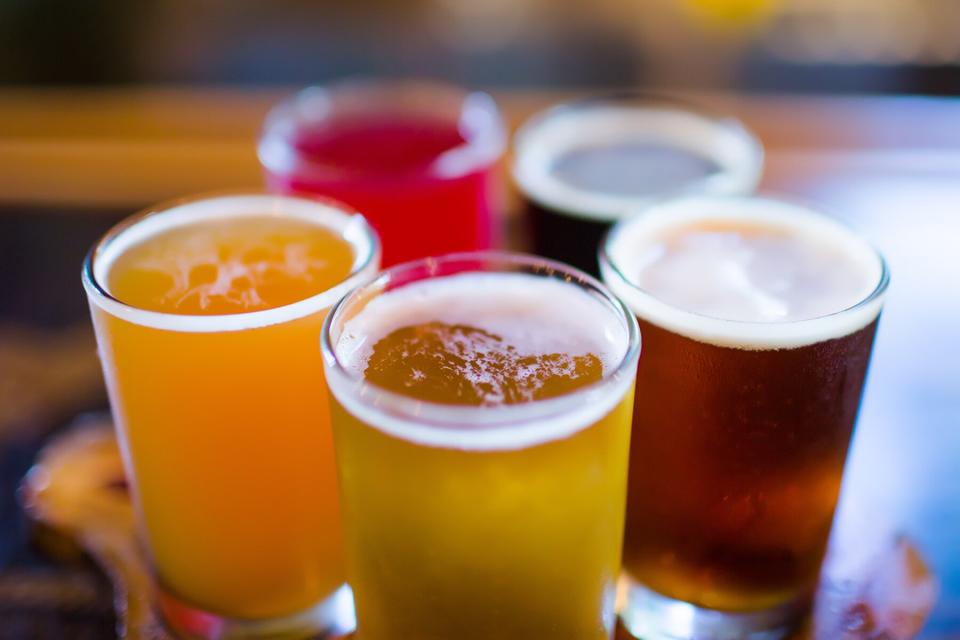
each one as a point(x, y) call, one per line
point(418, 159)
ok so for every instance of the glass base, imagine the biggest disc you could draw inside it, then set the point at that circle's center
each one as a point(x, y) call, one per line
point(650, 616)
point(332, 618)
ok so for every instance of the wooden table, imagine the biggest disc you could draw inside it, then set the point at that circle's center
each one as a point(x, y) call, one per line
point(890, 167)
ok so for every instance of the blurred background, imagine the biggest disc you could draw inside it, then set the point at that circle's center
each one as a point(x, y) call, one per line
point(107, 106)
point(889, 46)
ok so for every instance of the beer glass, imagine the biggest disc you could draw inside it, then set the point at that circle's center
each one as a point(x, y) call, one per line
point(583, 165)
point(418, 159)
point(207, 313)
point(482, 518)
point(758, 318)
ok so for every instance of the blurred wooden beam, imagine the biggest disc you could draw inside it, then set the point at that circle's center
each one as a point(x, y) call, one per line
point(130, 146)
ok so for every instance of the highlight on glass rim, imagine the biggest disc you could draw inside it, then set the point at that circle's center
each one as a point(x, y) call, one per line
point(456, 320)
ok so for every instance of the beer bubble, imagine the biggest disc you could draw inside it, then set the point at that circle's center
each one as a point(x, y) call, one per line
point(492, 316)
point(232, 269)
point(461, 364)
point(231, 262)
point(485, 339)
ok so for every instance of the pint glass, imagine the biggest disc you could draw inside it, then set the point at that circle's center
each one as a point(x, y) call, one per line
point(208, 314)
point(481, 407)
point(758, 318)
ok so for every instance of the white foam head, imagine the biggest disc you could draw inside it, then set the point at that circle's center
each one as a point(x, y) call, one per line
point(351, 226)
point(559, 131)
point(538, 315)
point(751, 273)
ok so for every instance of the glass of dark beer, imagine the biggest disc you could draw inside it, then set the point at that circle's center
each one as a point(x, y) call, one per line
point(581, 166)
point(758, 319)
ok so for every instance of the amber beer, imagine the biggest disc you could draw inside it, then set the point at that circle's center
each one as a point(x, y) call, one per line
point(208, 315)
point(758, 319)
point(582, 166)
point(481, 412)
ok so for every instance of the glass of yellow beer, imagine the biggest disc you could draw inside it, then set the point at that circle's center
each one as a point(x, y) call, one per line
point(208, 313)
point(481, 407)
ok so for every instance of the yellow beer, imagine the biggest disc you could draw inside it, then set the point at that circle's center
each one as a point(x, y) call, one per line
point(208, 316)
point(481, 411)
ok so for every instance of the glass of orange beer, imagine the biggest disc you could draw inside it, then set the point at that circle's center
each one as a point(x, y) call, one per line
point(207, 313)
point(481, 408)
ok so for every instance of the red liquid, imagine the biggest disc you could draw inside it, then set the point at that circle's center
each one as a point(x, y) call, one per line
point(384, 167)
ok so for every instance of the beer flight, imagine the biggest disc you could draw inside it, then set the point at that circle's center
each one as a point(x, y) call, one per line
point(340, 409)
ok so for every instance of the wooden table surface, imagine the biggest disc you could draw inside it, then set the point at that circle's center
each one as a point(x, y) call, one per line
point(890, 167)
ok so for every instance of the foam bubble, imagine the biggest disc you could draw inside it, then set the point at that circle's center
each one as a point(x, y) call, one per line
point(745, 272)
point(247, 265)
point(183, 278)
point(536, 315)
point(464, 365)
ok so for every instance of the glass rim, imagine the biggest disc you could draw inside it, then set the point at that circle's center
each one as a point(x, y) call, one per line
point(610, 208)
point(326, 212)
point(484, 141)
point(642, 98)
point(731, 332)
point(490, 424)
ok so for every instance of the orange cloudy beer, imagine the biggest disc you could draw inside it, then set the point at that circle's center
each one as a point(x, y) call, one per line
point(208, 316)
point(481, 411)
point(758, 319)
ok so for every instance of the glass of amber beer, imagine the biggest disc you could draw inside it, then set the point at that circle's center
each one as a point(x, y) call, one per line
point(481, 409)
point(758, 319)
point(207, 313)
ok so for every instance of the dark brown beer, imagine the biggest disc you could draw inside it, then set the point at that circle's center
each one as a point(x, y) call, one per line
point(583, 166)
point(736, 464)
point(758, 320)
